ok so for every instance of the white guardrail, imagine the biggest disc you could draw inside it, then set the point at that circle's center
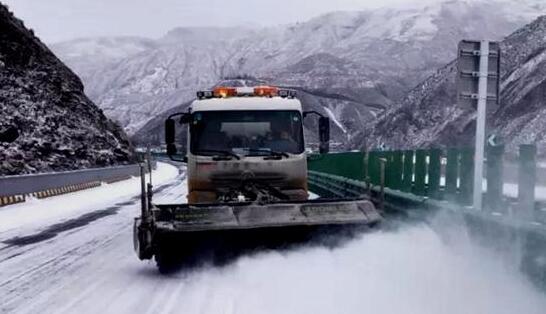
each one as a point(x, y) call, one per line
point(15, 189)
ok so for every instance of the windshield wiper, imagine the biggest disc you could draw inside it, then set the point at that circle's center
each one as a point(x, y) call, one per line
point(271, 152)
point(214, 151)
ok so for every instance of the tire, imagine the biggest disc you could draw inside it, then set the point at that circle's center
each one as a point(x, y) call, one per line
point(166, 256)
point(165, 263)
point(142, 240)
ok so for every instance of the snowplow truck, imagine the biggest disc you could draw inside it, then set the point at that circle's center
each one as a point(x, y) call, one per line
point(246, 170)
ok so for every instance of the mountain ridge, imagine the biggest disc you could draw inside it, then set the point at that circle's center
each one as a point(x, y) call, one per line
point(48, 123)
point(429, 116)
point(374, 57)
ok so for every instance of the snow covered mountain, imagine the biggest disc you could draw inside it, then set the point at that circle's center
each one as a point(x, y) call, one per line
point(333, 105)
point(47, 121)
point(428, 116)
point(372, 58)
point(88, 56)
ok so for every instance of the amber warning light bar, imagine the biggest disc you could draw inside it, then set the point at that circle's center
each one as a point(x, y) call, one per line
point(258, 91)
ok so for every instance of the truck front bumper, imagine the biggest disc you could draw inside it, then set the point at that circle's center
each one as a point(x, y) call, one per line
point(204, 217)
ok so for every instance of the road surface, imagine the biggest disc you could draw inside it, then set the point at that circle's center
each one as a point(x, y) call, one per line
point(74, 258)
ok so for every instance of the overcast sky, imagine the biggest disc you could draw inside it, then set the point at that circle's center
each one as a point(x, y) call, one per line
point(58, 20)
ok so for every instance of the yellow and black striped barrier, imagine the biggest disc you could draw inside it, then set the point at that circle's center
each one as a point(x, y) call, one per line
point(12, 199)
point(65, 189)
point(19, 188)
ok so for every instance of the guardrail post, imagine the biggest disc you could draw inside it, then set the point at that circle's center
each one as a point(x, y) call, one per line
point(365, 156)
point(494, 195)
point(452, 174)
point(527, 181)
point(368, 187)
point(434, 173)
point(385, 158)
point(396, 171)
point(373, 167)
point(382, 162)
point(466, 186)
point(389, 169)
point(420, 172)
point(407, 179)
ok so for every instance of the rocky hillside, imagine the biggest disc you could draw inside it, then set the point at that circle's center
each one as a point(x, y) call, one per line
point(48, 123)
point(429, 116)
point(372, 58)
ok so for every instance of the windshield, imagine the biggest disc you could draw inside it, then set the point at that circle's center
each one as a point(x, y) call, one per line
point(246, 132)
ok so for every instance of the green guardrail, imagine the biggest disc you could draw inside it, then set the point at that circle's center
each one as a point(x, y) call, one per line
point(420, 172)
point(440, 174)
point(349, 165)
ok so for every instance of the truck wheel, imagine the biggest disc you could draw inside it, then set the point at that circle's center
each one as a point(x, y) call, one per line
point(165, 263)
point(166, 256)
point(142, 241)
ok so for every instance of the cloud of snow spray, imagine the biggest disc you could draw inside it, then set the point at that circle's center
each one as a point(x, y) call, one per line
point(408, 270)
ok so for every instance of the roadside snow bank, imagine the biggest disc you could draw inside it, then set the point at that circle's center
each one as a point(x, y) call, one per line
point(37, 212)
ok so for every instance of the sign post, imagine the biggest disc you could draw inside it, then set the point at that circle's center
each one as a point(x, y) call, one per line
point(480, 124)
point(478, 85)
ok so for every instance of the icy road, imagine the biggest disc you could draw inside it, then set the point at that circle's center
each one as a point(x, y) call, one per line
point(73, 254)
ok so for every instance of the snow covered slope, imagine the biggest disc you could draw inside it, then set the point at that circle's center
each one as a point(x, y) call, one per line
point(84, 54)
point(47, 123)
point(372, 57)
point(428, 115)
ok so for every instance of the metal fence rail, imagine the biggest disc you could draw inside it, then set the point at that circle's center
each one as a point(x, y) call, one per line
point(33, 183)
point(328, 185)
point(446, 175)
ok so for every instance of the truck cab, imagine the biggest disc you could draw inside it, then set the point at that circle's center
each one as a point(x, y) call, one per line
point(246, 144)
point(246, 174)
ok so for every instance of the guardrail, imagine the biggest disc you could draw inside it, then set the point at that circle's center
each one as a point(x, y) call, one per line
point(329, 185)
point(446, 174)
point(15, 189)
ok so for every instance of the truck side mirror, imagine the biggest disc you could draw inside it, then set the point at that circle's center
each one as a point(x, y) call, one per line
point(324, 134)
point(171, 149)
point(186, 118)
point(169, 131)
point(170, 134)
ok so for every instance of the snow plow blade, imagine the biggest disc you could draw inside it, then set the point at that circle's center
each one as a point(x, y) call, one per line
point(192, 218)
point(182, 227)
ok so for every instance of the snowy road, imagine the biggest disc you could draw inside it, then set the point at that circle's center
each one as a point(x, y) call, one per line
point(80, 260)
